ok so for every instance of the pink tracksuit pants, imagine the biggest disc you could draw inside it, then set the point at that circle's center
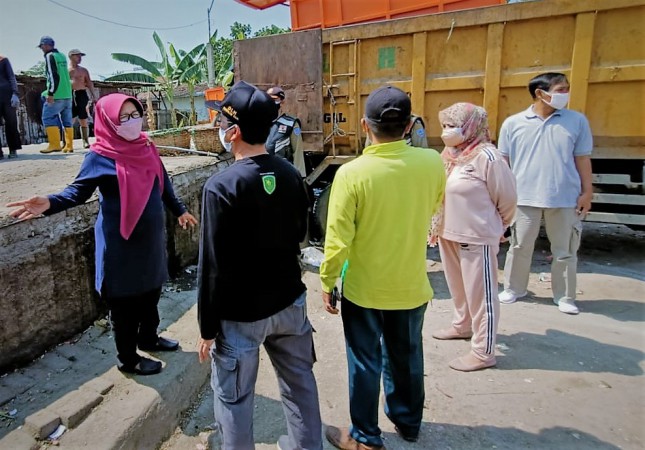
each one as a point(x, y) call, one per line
point(471, 274)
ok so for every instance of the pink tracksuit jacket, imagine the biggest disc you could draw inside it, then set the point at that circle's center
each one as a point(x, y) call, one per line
point(480, 200)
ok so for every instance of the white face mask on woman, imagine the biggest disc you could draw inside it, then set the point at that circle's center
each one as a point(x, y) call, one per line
point(222, 138)
point(559, 100)
point(452, 137)
point(130, 129)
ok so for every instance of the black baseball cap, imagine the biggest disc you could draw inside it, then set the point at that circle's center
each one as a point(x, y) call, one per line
point(246, 105)
point(388, 104)
point(276, 91)
point(46, 40)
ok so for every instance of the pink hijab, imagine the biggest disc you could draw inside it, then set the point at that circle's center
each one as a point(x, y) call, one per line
point(137, 162)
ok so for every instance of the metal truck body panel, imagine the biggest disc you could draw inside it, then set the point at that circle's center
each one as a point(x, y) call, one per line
point(485, 56)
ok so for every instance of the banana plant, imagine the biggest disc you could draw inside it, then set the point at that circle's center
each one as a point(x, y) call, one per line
point(163, 73)
point(191, 70)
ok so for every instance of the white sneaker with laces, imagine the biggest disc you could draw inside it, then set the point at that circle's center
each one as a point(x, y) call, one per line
point(568, 306)
point(507, 296)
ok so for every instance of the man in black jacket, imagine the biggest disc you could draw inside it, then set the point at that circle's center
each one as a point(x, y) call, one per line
point(285, 137)
point(254, 215)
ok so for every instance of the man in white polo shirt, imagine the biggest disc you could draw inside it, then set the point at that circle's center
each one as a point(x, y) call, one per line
point(549, 150)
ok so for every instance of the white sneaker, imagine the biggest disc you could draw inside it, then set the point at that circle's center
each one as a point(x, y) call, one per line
point(568, 306)
point(507, 296)
point(283, 443)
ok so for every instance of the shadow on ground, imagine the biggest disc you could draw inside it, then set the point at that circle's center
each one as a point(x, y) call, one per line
point(440, 435)
point(460, 437)
point(565, 352)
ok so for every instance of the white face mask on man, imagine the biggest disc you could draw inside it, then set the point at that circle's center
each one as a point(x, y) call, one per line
point(222, 138)
point(559, 100)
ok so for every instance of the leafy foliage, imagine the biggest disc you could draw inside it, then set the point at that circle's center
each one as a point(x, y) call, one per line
point(37, 70)
point(271, 30)
point(179, 67)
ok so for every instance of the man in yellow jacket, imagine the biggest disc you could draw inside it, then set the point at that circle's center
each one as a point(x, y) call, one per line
point(380, 209)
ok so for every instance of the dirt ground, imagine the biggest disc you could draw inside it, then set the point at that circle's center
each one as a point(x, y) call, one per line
point(562, 382)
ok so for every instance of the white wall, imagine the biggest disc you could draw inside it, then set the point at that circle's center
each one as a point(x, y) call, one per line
point(183, 104)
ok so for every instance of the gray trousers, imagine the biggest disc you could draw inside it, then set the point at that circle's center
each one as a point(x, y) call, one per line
point(563, 228)
point(287, 338)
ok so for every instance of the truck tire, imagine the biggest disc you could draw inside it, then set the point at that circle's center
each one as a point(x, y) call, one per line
point(321, 205)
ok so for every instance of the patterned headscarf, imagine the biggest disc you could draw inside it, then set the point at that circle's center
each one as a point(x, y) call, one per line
point(473, 121)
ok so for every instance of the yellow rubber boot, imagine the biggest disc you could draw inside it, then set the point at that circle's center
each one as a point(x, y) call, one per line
point(69, 140)
point(53, 136)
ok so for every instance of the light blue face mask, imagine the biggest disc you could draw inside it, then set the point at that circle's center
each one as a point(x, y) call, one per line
point(222, 138)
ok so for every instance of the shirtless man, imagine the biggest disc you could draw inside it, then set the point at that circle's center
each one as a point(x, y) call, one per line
point(81, 83)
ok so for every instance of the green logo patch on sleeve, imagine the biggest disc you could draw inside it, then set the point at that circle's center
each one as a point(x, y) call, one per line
point(268, 182)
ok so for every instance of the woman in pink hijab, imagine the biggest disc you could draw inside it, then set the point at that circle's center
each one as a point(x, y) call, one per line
point(479, 204)
point(131, 261)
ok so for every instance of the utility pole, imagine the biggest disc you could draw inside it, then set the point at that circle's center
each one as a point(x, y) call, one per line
point(209, 50)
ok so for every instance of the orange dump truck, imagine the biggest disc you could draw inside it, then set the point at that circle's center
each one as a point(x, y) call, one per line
point(485, 56)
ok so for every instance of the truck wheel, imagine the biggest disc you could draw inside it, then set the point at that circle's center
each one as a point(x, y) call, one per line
point(321, 205)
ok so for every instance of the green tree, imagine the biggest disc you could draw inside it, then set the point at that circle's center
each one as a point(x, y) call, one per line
point(166, 74)
point(37, 70)
point(223, 48)
point(240, 31)
point(190, 70)
point(271, 30)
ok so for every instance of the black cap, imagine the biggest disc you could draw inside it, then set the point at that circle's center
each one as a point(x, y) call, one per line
point(246, 105)
point(388, 104)
point(276, 91)
point(46, 40)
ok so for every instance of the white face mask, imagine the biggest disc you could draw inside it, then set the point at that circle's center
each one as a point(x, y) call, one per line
point(558, 100)
point(452, 137)
point(222, 138)
point(131, 129)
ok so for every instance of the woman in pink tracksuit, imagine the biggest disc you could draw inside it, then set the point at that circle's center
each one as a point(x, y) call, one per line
point(479, 204)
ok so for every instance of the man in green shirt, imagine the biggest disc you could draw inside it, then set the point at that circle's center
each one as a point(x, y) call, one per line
point(380, 209)
point(58, 98)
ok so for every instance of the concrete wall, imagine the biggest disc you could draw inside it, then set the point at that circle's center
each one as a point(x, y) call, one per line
point(47, 271)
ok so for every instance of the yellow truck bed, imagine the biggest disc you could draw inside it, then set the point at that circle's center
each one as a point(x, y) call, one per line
point(485, 56)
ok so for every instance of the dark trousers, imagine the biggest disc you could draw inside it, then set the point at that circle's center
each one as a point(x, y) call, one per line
point(8, 115)
point(387, 343)
point(135, 320)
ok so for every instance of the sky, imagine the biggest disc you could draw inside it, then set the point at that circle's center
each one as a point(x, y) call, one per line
point(23, 22)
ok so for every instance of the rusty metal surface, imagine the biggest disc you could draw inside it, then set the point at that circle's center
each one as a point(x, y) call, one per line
point(294, 62)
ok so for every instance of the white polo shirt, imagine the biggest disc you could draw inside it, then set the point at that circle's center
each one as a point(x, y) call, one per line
point(542, 155)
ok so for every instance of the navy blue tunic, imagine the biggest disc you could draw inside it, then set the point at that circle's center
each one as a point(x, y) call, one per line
point(123, 267)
